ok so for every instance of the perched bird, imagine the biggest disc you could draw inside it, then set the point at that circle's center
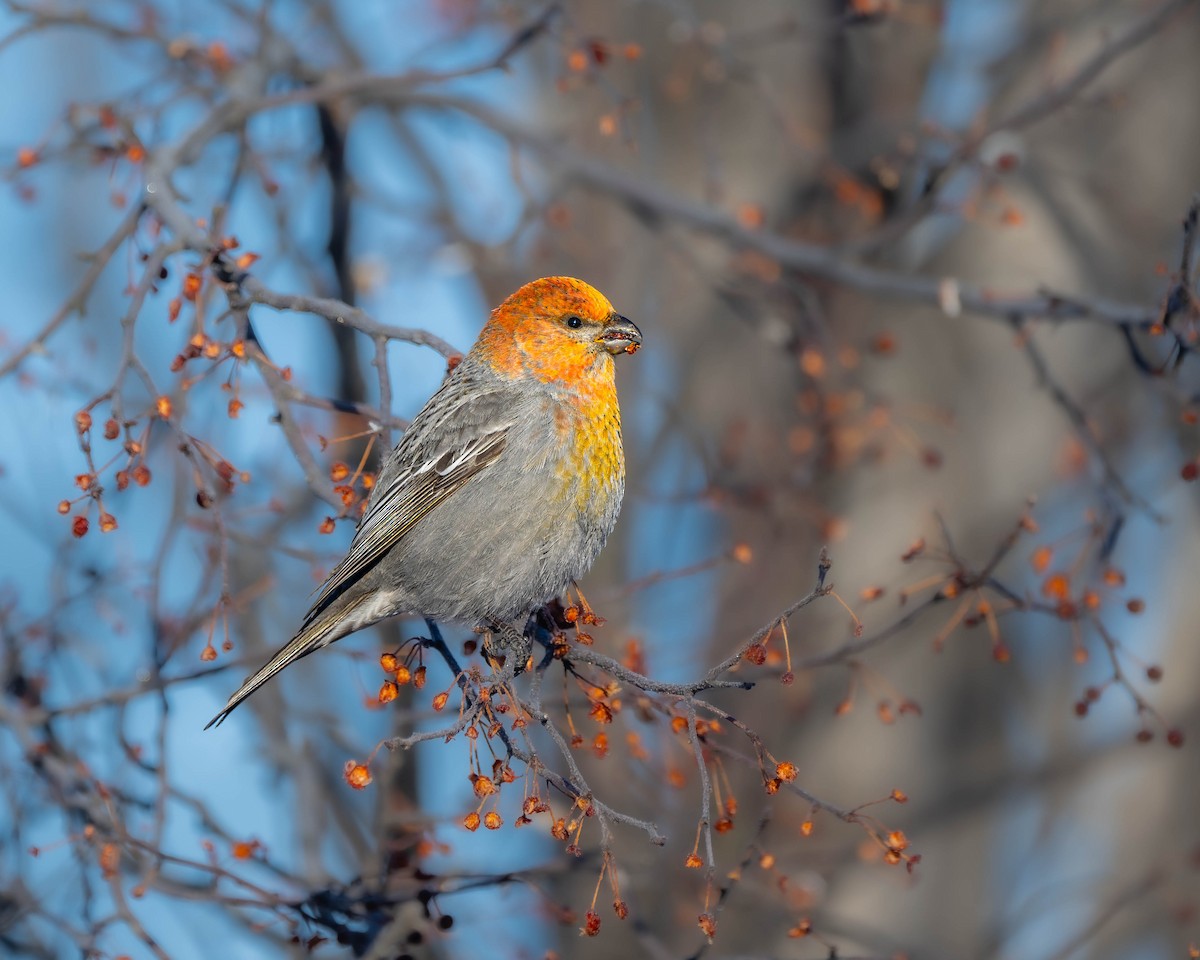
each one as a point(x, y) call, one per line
point(504, 487)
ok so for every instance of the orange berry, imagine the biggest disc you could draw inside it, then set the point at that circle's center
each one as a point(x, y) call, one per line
point(244, 850)
point(357, 775)
point(110, 859)
point(1057, 586)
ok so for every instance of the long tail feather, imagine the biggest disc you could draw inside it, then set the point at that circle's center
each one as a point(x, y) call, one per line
point(331, 625)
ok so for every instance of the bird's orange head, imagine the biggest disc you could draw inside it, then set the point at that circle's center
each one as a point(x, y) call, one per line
point(557, 330)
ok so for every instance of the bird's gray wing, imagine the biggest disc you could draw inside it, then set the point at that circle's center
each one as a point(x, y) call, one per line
point(458, 434)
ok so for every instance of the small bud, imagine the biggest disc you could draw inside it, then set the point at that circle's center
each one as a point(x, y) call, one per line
point(471, 821)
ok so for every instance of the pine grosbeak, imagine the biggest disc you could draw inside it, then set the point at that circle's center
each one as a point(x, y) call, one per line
point(503, 489)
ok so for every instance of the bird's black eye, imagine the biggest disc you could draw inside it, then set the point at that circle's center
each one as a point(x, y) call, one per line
point(574, 323)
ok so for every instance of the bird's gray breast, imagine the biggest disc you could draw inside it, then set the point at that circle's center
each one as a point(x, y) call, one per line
point(516, 534)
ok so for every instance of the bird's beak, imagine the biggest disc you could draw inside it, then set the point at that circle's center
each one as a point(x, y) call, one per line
point(620, 335)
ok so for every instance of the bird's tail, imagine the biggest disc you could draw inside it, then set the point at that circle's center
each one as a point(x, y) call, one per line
point(331, 624)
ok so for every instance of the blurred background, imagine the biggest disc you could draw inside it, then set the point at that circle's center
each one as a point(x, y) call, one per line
point(914, 287)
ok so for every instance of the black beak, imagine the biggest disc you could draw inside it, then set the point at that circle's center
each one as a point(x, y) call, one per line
point(621, 335)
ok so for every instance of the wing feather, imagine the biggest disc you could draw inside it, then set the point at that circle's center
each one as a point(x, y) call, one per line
point(440, 465)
